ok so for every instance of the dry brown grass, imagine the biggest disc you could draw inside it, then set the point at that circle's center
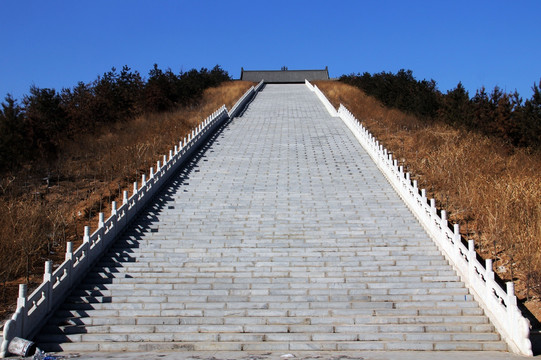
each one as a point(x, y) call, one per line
point(36, 220)
point(493, 191)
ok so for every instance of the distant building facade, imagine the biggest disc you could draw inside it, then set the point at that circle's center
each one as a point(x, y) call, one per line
point(284, 75)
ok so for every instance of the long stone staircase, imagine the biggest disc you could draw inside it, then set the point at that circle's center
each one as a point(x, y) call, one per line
point(281, 234)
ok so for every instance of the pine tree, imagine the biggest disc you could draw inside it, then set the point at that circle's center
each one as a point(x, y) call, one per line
point(11, 133)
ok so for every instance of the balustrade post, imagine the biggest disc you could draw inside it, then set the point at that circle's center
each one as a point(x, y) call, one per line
point(471, 257)
point(21, 308)
point(511, 298)
point(113, 208)
point(151, 175)
point(176, 149)
point(165, 159)
point(101, 220)
point(171, 154)
point(48, 271)
point(101, 230)
point(456, 233)
point(21, 300)
point(489, 280)
point(134, 188)
point(158, 164)
point(143, 180)
point(69, 251)
point(444, 223)
point(69, 259)
point(86, 236)
point(125, 197)
point(47, 279)
point(512, 309)
point(433, 206)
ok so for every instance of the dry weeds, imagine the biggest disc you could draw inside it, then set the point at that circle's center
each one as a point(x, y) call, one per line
point(493, 191)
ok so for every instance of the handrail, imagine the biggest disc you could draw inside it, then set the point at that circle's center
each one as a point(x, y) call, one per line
point(245, 99)
point(32, 310)
point(307, 83)
point(259, 86)
point(500, 305)
point(332, 111)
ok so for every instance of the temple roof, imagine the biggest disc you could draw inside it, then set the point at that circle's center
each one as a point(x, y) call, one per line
point(284, 75)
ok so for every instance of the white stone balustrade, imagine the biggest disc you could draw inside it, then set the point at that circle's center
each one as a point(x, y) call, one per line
point(500, 305)
point(245, 99)
point(33, 310)
point(332, 111)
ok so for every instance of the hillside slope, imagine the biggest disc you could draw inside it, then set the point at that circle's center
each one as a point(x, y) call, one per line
point(41, 208)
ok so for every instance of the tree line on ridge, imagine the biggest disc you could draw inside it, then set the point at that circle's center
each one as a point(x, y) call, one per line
point(36, 128)
point(497, 113)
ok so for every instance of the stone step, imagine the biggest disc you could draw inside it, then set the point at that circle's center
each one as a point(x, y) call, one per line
point(191, 268)
point(163, 244)
point(273, 312)
point(334, 265)
point(345, 301)
point(106, 272)
point(143, 308)
point(269, 282)
point(345, 252)
point(209, 345)
point(247, 325)
point(246, 290)
point(243, 324)
point(272, 333)
point(305, 253)
point(371, 282)
point(270, 320)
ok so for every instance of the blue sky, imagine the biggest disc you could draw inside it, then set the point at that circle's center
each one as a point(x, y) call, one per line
point(57, 43)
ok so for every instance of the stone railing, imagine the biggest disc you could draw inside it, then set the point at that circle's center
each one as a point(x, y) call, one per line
point(244, 100)
point(33, 310)
point(332, 111)
point(500, 305)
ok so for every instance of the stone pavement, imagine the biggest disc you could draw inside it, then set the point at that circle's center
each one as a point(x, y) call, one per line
point(281, 235)
point(321, 355)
